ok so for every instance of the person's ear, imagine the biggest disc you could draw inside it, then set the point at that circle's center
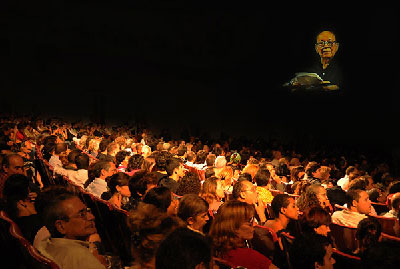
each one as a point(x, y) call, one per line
point(283, 211)
point(354, 203)
point(59, 224)
point(243, 195)
point(190, 220)
point(118, 188)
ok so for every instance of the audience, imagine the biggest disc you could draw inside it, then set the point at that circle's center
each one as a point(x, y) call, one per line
point(136, 171)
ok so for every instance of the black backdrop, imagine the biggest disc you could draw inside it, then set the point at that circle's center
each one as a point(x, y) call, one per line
point(201, 68)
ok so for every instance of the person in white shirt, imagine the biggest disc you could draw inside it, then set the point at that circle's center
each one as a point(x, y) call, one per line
point(190, 158)
point(97, 184)
point(359, 206)
point(70, 224)
point(395, 205)
point(344, 181)
point(60, 149)
point(80, 176)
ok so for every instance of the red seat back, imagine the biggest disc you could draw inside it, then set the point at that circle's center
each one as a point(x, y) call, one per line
point(344, 260)
point(380, 208)
point(387, 224)
point(344, 237)
point(18, 251)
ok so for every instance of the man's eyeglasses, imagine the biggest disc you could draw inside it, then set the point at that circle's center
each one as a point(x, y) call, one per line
point(82, 214)
point(254, 189)
point(326, 43)
point(251, 220)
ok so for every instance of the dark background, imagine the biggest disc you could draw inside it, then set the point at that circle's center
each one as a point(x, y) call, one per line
point(203, 68)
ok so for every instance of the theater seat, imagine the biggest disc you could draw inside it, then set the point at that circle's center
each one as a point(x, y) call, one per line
point(380, 208)
point(387, 224)
point(393, 239)
point(111, 224)
point(344, 260)
point(344, 237)
point(264, 240)
point(17, 251)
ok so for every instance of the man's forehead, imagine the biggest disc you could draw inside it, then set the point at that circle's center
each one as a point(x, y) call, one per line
point(73, 205)
point(326, 35)
point(248, 184)
point(364, 194)
point(16, 159)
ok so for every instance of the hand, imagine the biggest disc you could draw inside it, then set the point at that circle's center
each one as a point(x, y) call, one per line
point(260, 209)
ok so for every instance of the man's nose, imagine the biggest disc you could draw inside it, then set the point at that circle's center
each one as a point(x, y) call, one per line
point(90, 216)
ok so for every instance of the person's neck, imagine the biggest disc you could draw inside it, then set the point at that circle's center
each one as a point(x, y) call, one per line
point(282, 222)
point(354, 209)
point(325, 62)
point(116, 200)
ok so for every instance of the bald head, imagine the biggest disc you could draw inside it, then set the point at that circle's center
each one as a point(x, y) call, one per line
point(13, 164)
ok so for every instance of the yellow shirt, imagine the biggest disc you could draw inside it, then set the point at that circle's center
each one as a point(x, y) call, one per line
point(265, 195)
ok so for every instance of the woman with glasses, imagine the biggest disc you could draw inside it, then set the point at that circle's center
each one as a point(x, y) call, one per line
point(230, 233)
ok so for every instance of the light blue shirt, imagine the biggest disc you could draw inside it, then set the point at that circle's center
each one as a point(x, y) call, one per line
point(97, 187)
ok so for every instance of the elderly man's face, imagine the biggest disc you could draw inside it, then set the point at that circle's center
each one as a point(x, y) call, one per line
point(16, 166)
point(326, 45)
point(80, 223)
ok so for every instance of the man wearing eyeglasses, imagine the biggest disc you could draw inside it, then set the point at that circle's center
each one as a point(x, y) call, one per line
point(70, 224)
point(326, 46)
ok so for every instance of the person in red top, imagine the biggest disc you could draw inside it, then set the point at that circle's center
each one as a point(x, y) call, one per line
point(230, 232)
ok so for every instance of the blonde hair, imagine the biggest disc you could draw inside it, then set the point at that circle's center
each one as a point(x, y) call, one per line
point(251, 169)
point(209, 189)
point(226, 176)
point(230, 216)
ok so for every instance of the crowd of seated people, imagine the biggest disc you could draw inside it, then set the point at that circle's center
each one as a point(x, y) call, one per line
point(226, 203)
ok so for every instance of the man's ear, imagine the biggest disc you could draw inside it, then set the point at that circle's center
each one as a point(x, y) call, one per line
point(354, 203)
point(102, 172)
point(283, 211)
point(190, 220)
point(243, 195)
point(118, 188)
point(60, 226)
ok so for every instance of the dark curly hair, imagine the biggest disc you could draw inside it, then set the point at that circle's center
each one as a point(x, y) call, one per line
point(120, 157)
point(189, 183)
point(135, 162)
point(309, 199)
